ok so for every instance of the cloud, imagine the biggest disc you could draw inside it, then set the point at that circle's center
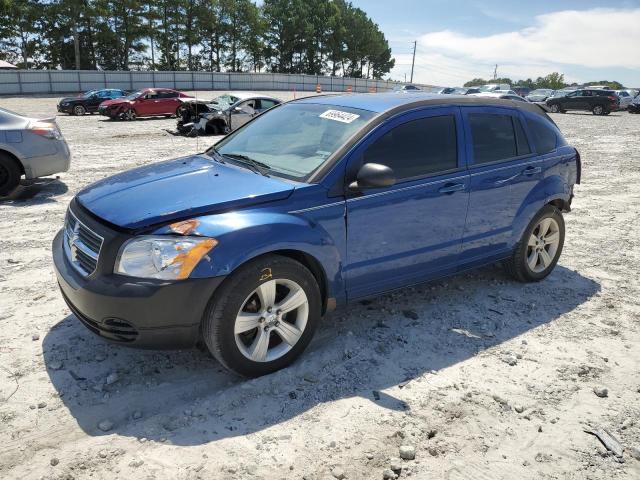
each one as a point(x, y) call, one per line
point(589, 39)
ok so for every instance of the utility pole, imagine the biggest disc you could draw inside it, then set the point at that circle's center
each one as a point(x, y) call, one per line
point(415, 43)
point(495, 72)
point(76, 43)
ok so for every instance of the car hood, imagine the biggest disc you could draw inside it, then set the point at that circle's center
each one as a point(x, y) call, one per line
point(114, 101)
point(178, 189)
point(70, 99)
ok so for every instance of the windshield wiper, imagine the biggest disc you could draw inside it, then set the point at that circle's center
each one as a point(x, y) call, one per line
point(215, 154)
point(255, 165)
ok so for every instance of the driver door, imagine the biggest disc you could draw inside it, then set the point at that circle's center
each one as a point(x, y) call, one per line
point(413, 230)
point(148, 104)
point(242, 113)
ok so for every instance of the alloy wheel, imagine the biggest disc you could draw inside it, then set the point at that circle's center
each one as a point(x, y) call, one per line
point(543, 244)
point(271, 320)
point(555, 108)
point(129, 114)
point(598, 110)
point(78, 110)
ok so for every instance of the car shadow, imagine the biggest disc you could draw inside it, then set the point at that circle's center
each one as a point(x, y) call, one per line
point(186, 398)
point(37, 191)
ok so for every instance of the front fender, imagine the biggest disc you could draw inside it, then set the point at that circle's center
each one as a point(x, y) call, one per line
point(245, 235)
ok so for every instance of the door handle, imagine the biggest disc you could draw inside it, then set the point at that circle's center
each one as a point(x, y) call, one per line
point(531, 171)
point(452, 187)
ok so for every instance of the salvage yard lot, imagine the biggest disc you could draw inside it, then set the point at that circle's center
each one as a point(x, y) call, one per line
point(485, 377)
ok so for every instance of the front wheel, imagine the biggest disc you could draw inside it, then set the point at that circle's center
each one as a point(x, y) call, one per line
point(128, 114)
point(537, 253)
point(555, 108)
point(79, 110)
point(263, 316)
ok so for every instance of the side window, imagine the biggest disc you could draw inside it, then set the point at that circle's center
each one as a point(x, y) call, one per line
point(167, 94)
point(544, 136)
point(265, 103)
point(417, 148)
point(104, 94)
point(493, 137)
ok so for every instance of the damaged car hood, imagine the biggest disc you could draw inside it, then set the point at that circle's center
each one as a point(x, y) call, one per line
point(178, 189)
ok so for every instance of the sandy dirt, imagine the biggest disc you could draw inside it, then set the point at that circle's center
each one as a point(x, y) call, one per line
point(486, 378)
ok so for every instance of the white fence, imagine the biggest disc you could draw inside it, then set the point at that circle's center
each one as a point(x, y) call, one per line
point(21, 82)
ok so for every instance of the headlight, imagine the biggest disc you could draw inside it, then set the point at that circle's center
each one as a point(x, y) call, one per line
point(65, 104)
point(162, 257)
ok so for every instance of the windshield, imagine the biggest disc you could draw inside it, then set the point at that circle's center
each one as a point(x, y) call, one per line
point(134, 95)
point(295, 139)
point(225, 101)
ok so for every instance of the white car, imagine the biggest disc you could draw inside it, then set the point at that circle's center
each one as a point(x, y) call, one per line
point(625, 99)
point(30, 147)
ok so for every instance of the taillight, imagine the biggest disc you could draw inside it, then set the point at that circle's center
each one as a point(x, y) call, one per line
point(44, 129)
point(613, 99)
point(578, 166)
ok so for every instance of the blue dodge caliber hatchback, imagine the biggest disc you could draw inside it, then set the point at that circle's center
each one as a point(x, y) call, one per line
point(315, 203)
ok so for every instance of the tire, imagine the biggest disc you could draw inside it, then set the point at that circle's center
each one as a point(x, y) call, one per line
point(9, 174)
point(239, 352)
point(555, 108)
point(519, 266)
point(598, 110)
point(79, 110)
point(128, 114)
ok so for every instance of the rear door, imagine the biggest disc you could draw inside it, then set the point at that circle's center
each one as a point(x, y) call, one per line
point(411, 231)
point(502, 167)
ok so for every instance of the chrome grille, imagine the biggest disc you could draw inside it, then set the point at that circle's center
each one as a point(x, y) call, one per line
point(81, 244)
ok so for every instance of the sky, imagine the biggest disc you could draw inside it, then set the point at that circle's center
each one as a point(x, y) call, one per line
point(463, 39)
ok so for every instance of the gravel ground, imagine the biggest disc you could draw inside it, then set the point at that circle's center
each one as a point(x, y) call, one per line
point(482, 377)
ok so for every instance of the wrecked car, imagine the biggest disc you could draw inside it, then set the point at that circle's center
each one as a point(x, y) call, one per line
point(149, 102)
point(222, 114)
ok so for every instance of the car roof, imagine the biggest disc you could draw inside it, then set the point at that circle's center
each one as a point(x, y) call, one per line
point(248, 95)
point(392, 103)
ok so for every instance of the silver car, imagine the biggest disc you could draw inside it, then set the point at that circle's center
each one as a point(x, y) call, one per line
point(30, 147)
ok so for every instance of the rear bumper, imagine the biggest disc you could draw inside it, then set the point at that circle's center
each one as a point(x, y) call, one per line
point(134, 312)
point(44, 165)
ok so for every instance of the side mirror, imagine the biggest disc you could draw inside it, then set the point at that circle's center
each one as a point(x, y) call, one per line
point(237, 109)
point(373, 175)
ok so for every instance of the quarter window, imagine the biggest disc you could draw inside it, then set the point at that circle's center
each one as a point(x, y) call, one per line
point(545, 136)
point(417, 148)
point(494, 137)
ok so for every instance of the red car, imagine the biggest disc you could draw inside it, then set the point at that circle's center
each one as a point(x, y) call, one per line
point(150, 102)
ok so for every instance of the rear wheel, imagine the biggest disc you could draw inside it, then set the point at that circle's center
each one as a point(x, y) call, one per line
point(539, 249)
point(598, 110)
point(263, 316)
point(9, 174)
point(79, 110)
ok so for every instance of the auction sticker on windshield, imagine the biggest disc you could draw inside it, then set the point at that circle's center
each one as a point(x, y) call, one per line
point(338, 116)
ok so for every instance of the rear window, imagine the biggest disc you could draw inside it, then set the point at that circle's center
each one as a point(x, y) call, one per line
point(494, 137)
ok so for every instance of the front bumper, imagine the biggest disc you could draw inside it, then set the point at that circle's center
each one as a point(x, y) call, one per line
point(133, 312)
point(66, 109)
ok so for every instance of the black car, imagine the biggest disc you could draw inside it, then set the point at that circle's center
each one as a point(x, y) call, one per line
point(600, 102)
point(88, 101)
